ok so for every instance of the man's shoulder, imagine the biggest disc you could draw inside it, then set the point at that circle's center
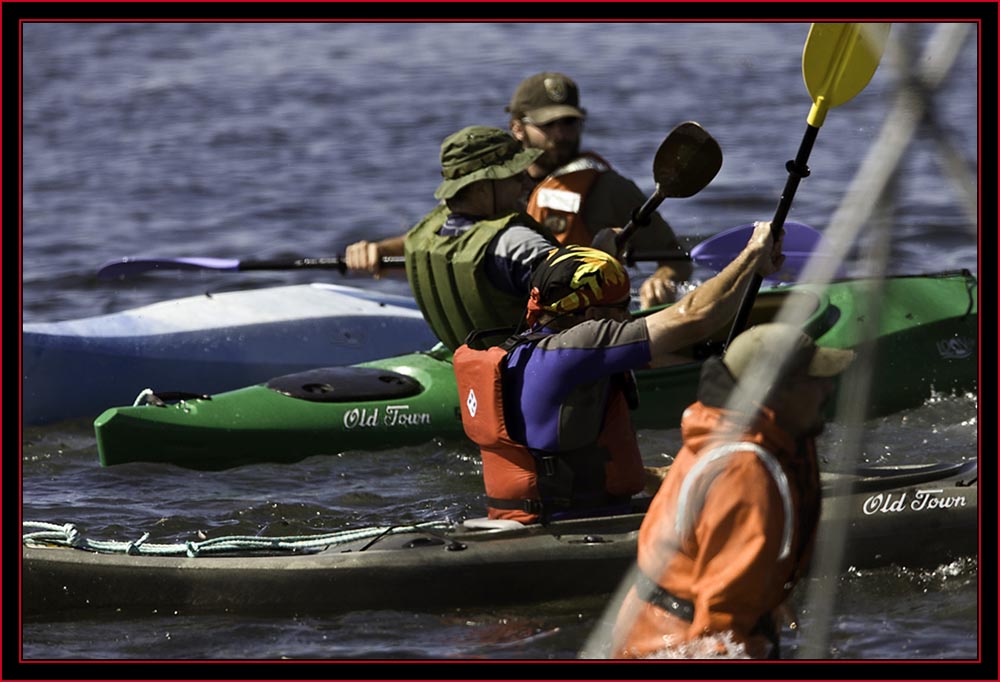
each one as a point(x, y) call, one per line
point(610, 203)
point(522, 246)
point(525, 232)
point(613, 178)
point(597, 334)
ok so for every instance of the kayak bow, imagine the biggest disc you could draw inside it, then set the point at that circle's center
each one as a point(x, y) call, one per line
point(217, 342)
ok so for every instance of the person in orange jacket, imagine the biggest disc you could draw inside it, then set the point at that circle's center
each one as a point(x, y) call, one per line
point(732, 527)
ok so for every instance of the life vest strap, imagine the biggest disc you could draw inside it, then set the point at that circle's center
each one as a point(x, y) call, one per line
point(553, 504)
point(652, 593)
point(547, 465)
point(534, 507)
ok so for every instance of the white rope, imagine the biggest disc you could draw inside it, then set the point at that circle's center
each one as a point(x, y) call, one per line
point(141, 398)
point(66, 535)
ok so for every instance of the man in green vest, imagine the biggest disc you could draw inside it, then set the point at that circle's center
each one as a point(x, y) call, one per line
point(469, 261)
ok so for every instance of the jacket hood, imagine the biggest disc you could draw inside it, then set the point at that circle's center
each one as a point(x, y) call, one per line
point(708, 421)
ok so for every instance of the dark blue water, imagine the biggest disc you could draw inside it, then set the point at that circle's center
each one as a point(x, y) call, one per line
point(266, 140)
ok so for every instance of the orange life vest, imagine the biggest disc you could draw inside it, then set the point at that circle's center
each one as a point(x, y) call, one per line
point(557, 201)
point(526, 486)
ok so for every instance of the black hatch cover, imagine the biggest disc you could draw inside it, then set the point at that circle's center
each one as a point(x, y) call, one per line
point(342, 384)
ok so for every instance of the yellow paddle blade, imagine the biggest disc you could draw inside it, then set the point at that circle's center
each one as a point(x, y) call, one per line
point(838, 61)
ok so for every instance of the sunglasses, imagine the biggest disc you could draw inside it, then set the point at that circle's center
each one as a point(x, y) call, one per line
point(567, 122)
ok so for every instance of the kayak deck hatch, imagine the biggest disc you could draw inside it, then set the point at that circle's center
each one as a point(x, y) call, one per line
point(340, 384)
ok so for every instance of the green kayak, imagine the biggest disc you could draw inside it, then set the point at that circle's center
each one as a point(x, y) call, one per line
point(927, 340)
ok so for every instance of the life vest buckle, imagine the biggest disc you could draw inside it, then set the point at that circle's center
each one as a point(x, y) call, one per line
point(547, 466)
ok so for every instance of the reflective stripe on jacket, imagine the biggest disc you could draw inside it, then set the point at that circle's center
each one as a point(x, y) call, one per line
point(557, 202)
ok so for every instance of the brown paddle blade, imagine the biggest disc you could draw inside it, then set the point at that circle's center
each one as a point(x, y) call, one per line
point(686, 162)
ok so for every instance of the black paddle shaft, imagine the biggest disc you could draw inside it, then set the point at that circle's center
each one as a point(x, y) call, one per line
point(685, 162)
point(797, 169)
point(639, 219)
point(326, 263)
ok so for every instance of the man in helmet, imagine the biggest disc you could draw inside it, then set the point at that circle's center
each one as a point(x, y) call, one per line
point(549, 408)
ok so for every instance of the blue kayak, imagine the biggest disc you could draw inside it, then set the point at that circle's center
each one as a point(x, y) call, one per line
point(218, 342)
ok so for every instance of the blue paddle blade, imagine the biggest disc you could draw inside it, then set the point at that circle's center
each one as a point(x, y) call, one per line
point(799, 246)
point(124, 267)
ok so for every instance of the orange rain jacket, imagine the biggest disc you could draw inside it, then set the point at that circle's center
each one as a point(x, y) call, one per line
point(727, 563)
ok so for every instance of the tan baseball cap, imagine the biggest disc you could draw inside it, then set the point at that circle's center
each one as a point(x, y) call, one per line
point(772, 342)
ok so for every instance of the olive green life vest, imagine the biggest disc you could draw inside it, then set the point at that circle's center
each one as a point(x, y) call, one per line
point(449, 280)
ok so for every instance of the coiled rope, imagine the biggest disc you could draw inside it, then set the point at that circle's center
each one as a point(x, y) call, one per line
point(67, 535)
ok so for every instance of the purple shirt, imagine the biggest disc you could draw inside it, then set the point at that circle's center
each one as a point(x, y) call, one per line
point(556, 389)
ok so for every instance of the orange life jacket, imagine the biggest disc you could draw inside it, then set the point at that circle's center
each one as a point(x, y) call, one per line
point(557, 201)
point(526, 486)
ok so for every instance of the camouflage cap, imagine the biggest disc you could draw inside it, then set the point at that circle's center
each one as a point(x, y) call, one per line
point(480, 153)
point(546, 97)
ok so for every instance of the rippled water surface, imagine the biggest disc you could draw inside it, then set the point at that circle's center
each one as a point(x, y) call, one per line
point(265, 140)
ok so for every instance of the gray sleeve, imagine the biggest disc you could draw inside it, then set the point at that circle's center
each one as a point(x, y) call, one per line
point(512, 256)
point(602, 334)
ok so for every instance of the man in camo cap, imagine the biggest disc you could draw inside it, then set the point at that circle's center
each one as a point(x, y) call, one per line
point(576, 194)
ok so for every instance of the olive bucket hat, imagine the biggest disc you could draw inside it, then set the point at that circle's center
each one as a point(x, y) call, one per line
point(480, 153)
